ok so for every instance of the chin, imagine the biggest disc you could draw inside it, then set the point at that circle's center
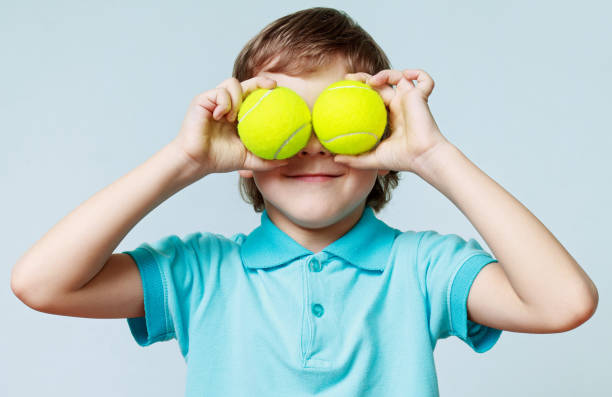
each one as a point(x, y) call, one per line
point(309, 215)
point(312, 221)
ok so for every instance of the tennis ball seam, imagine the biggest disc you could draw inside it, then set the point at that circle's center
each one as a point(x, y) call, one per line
point(332, 122)
point(255, 105)
point(286, 142)
point(352, 133)
point(289, 139)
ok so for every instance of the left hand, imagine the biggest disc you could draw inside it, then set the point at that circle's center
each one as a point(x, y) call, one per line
point(414, 131)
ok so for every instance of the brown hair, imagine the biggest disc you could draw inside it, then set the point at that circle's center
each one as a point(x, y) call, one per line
point(303, 42)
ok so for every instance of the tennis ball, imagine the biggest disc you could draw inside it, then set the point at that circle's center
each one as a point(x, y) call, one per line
point(274, 123)
point(349, 117)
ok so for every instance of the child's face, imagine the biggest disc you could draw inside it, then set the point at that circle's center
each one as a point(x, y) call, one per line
point(313, 204)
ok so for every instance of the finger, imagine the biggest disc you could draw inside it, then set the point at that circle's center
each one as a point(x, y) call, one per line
point(359, 76)
point(366, 160)
point(232, 85)
point(223, 101)
point(404, 84)
point(386, 76)
point(256, 163)
point(424, 81)
point(386, 92)
point(206, 100)
point(255, 83)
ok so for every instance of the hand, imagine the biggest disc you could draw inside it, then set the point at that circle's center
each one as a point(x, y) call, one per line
point(414, 132)
point(209, 136)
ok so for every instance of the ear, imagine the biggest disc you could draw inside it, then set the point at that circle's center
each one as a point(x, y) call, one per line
point(383, 172)
point(246, 173)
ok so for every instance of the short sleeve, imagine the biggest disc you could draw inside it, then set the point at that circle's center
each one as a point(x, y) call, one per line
point(447, 266)
point(173, 284)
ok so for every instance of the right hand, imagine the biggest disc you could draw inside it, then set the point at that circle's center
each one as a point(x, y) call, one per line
point(211, 140)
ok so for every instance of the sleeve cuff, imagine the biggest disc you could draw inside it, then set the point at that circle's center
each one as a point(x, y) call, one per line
point(479, 337)
point(153, 327)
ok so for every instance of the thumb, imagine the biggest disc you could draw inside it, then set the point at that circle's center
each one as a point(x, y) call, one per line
point(256, 163)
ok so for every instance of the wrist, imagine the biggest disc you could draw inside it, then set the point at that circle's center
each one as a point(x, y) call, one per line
point(189, 170)
point(434, 159)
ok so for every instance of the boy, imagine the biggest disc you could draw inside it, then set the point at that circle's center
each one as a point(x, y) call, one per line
point(322, 298)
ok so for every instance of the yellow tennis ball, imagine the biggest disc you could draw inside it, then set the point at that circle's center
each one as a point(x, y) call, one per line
point(349, 117)
point(274, 123)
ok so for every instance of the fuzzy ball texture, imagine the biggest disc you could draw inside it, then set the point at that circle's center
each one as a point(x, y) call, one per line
point(349, 117)
point(274, 123)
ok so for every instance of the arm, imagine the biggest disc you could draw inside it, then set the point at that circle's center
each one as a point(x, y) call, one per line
point(71, 270)
point(553, 291)
point(76, 249)
point(536, 286)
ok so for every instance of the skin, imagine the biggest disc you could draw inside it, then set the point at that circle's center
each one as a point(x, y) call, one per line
point(534, 286)
point(314, 214)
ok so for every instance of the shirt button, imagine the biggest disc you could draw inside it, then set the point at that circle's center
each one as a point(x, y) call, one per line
point(317, 310)
point(315, 265)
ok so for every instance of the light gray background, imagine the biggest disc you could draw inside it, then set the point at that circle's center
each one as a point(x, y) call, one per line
point(90, 90)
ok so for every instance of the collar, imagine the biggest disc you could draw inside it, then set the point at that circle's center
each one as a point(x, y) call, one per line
point(366, 245)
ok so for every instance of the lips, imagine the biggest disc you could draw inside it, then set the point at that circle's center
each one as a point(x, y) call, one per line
point(324, 176)
point(315, 177)
point(309, 175)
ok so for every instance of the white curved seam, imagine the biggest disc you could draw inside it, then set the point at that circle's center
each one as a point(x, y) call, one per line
point(288, 139)
point(254, 106)
point(352, 133)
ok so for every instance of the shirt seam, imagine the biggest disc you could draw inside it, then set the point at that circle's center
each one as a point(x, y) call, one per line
point(165, 294)
point(450, 287)
point(416, 265)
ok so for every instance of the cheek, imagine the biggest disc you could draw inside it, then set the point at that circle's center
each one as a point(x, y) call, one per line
point(363, 180)
point(267, 181)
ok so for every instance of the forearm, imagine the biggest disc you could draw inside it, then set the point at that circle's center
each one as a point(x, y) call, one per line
point(541, 271)
point(77, 247)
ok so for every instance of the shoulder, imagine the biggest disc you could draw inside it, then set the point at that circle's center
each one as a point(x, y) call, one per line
point(428, 239)
point(433, 243)
point(197, 244)
point(407, 239)
point(426, 245)
point(213, 245)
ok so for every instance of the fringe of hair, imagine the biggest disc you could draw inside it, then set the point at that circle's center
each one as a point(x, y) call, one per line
point(303, 42)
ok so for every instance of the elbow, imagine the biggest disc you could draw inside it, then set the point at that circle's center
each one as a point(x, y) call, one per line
point(17, 287)
point(19, 291)
point(586, 308)
point(589, 305)
point(26, 295)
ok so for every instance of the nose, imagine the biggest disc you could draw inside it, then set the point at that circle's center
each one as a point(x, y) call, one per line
point(314, 148)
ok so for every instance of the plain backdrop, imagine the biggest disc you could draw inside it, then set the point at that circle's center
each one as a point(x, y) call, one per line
point(90, 90)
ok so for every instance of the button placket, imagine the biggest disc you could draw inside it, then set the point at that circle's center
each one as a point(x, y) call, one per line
point(314, 314)
point(317, 309)
point(315, 265)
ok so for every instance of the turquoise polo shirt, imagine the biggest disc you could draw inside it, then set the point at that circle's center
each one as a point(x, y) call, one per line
point(260, 315)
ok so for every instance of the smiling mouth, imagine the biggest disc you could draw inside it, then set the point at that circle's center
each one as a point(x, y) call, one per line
point(315, 177)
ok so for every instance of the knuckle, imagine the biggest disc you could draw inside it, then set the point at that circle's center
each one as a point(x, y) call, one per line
point(201, 96)
point(227, 81)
